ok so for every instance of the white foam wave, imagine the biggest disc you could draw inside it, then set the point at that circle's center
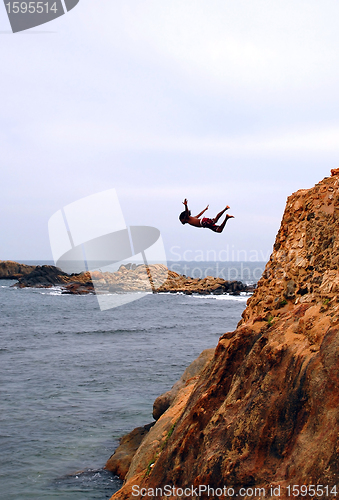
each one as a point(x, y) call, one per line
point(243, 297)
point(55, 290)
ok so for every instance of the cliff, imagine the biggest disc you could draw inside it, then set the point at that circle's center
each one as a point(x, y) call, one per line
point(263, 412)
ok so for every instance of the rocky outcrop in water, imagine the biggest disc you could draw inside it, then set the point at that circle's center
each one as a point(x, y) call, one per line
point(48, 276)
point(264, 411)
point(159, 279)
point(10, 270)
point(209, 285)
point(155, 278)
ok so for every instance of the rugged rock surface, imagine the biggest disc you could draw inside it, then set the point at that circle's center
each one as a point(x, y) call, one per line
point(159, 279)
point(264, 411)
point(130, 279)
point(209, 285)
point(10, 270)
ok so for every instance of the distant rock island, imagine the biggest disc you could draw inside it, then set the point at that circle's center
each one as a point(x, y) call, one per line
point(155, 278)
point(10, 270)
point(261, 410)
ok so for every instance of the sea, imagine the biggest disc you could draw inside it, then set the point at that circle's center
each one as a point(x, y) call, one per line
point(74, 379)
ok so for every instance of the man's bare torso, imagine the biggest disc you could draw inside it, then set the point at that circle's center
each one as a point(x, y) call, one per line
point(193, 221)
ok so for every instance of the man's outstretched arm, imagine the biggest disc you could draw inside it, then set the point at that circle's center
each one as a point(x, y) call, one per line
point(185, 202)
point(202, 211)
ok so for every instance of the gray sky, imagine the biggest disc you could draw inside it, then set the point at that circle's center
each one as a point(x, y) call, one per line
point(222, 102)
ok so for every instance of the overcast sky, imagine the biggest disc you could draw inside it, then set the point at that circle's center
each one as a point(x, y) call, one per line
point(223, 102)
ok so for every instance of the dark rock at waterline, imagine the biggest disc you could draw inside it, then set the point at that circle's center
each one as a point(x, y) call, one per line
point(78, 289)
point(48, 276)
point(43, 276)
point(121, 459)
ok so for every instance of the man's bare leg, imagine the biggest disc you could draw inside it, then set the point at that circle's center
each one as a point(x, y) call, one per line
point(220, 214)
point(221, 227)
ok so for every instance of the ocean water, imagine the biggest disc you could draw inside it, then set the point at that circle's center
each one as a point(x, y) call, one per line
point(75, 379)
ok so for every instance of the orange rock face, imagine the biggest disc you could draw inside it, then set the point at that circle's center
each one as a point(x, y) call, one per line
point(264, 413)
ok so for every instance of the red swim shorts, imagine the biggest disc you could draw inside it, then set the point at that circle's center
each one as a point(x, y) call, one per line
point(209, 223)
